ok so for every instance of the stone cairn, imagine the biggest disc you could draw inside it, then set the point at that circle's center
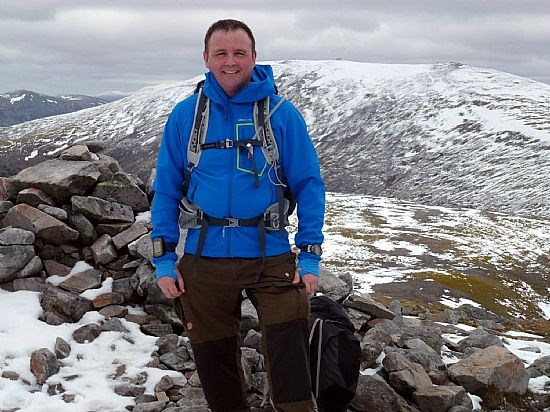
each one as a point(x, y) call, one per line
point(81, 207)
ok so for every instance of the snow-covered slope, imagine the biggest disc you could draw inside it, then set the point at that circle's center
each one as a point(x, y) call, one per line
point(444, 134)
point(22, 105)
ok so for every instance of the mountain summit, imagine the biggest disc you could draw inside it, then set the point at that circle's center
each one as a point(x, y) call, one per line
point(441, 134)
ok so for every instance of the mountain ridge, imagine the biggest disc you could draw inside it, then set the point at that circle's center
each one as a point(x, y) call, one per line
point(443, 134)
point(22, 105)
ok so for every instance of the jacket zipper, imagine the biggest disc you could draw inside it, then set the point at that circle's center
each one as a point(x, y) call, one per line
point(227, 233)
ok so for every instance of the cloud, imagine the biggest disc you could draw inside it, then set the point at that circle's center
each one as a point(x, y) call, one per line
point(61, 46)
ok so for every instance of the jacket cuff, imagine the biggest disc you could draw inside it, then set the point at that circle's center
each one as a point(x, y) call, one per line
point(165, 266)
point(308, 263)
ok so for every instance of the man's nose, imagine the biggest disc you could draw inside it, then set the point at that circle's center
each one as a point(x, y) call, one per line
point(230, 59)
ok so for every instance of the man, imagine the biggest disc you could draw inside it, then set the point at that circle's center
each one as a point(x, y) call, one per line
point(236, 184)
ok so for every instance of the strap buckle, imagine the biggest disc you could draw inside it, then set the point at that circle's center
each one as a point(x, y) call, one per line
point(231, 222)
point(229, 143)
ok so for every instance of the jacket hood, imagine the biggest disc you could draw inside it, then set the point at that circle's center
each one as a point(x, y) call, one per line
point(261, 84)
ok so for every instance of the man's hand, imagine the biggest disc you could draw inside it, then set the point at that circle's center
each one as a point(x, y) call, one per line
point(170, 288)
point(309, 281)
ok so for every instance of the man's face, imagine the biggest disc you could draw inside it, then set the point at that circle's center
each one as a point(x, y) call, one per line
point(231, 59)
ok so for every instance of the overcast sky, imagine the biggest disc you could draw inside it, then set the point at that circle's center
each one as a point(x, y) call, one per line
point(93, 46)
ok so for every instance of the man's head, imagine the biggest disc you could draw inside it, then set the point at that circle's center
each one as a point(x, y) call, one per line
point(230, 54)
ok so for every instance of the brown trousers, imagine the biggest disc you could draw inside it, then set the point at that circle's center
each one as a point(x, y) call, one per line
point(211, 312)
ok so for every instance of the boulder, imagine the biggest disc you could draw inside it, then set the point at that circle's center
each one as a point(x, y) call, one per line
point(14, 258)
point(441, 398)
point(123, 189)
point(77, 152)
point(34, 197)
point(365, 304)
point(81, 280)
point(60, 179)
point(64, 306)
point(44, 226)
point(43, 364)
point(102, 210)
point(375, 394)
point(493, 369)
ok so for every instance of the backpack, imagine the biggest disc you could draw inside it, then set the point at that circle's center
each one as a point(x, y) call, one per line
point(335, 355)
point(276, 215)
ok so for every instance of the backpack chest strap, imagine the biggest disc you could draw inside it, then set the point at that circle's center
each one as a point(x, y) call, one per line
point(230, 144)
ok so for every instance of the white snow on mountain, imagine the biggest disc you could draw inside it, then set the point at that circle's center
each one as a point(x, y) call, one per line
point(443, 134)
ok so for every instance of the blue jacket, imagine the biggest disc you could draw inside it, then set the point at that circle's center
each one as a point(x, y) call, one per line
point(223, 184)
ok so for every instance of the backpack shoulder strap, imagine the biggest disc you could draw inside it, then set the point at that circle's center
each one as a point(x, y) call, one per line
point(264, 131)
point(197, 135)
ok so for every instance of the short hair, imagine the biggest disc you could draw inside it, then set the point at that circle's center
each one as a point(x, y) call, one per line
point(228, 25)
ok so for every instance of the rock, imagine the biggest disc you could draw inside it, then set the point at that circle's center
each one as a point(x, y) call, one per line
point(87, 333)
point(12, 376)
point(165, 383)
point(95, 146)
point(365, 304)
point(33, 267)
point(123, 189)
point(113, 325)
point(416, 350)
point(107, 299)
point(249, 317)
point(332, 286)
point(253, 359)
point(5, 205)
point(103, 250)
point(253, 339)
point(53, 267)
point(34, 197)
point(166, 314)
point(112, 229)
point(60, 179)
point(82, 224)
point(129, 390)
point(81, 280)
point(76, 152)
point(374, 394)
point(43, 364)
point(441, 398)
point(540, 367)
point(62, 348)
point(177, 360)
point(14, 258)
point(370, 351)
point(156, 329)
point(8, 189)
point(481, 339)
point(167, 343)
point(156, 406)
point(129, 235)
point(67, 306)
point(493, 369)
point(30, 284)
point(405, 376)
point(429, 332)
point(15, 236)
point(56, 212)
point(358, 318)
point(113, 311)
point(44, 226)
point(102, 210)
point(142, 247)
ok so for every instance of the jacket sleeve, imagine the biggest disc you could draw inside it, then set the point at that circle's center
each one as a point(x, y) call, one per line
point(168, 187)
point(302, 172)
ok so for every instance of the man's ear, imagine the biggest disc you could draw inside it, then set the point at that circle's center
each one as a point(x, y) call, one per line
point(205, 58)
